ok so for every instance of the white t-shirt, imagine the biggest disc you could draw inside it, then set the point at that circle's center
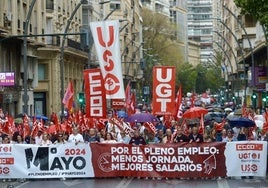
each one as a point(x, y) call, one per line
point(76, 138)
point(38, 140)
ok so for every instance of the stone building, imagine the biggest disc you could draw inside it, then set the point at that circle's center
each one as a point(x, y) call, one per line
point(57, 51)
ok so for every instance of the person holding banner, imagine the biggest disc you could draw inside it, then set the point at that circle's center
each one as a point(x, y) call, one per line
point(230, 136)
point(45, 140)
point(180, 136)
point(91, 136)
point(60, 139)
point(195, 136)
point(19, 140)
point(168, 138)
point(151, 138)
point(123, 138)
point(76, 137)
point(137, 139)
point(109, 139)
point(38, 138)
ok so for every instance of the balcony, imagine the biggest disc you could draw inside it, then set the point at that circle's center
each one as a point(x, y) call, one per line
point(76, 45)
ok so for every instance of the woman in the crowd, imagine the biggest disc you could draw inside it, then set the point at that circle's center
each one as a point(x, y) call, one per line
point(60, 139)
point(109, 138)
point(46, 139)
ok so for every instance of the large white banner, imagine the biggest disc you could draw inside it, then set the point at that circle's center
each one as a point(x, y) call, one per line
point(216, 159)
point(55, 161)
point(246, 158)
point(107, 43)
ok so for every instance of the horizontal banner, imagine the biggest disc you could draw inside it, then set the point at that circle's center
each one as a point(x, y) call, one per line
point(216, 159)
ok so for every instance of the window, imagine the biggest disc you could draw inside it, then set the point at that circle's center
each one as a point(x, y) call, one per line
point(250, 21)
point(115, 5)
point(42, 71)
point(49, 4)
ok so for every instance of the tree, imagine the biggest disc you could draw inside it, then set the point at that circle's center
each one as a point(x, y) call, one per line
point(160, 43)
point(162, 47)
point(256, 8)
point(187, 76)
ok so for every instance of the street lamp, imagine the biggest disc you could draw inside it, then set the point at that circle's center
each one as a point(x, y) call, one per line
point(241, 49)
point(227, 43)
point(62, 51)
point(250, 45)
point(25, 62)
point(226, 55)
point(219, 34)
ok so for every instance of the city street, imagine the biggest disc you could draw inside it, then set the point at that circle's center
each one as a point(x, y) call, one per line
point(140, 183)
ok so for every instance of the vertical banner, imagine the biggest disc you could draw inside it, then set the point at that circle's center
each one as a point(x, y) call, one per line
point(246, 158)
point(164, 90)
point(107, 43)
point(94, 93)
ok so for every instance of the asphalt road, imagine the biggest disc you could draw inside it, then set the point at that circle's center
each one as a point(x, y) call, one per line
point(139, 183)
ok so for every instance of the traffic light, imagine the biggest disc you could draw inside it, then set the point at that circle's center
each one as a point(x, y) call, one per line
point(264, 97)
point(254, 96)
point(81, 98)
point(254, 100)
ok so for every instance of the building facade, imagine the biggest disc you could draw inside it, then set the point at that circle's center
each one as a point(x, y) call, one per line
point(178, 15)
point(249, 58)
point(58, 50)
point(200, 25)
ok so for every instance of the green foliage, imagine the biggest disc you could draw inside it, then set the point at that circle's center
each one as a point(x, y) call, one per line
point(162, 47)
point(187, 76)
point(256, 8)
point(160, 44)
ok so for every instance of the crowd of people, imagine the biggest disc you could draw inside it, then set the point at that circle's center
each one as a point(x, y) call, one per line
point(141, 135)
point(172, 132)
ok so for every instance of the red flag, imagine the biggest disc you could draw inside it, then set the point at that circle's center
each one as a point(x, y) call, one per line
point(265, 124)
point(179, 103)
point(219, 126)
point(68, 98)
point(202, 127)
point(9, 126)
point(128, 95)
point(55, 120)
point(37, 126)
point(67, 126)
point(151, 127)
point(184, 127)
point(132, 104)
point(26, 127)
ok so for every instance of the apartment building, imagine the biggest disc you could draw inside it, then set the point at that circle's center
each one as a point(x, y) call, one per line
point(246, 38)
point(200, 25)
point(56, 51)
